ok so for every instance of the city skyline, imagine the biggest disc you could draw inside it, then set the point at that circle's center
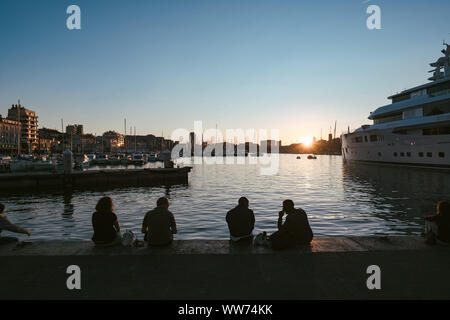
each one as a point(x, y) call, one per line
point(289, 65)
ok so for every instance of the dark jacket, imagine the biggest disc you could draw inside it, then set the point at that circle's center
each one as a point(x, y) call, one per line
point(241, 221)
point(297, 227)
point(160, 223)
point(443, 223)
point(104, 228)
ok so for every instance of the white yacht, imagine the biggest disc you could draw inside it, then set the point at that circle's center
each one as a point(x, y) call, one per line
point(413, 130)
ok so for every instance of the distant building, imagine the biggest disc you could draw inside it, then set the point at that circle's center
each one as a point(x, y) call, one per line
point(75, 129)
point(29, 121)
point(192, 142)
point(9, 136)
point(88, 143)
point(112, 141)
point(147, 143)
point(269, 145)
point(49, 140)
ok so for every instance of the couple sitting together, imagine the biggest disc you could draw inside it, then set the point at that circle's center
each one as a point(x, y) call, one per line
point(158, 225)
point(295, 229)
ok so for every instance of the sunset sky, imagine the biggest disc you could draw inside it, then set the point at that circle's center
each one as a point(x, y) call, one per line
point(296, 65)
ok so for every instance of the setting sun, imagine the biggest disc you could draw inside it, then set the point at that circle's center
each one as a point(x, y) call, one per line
point(307, 141)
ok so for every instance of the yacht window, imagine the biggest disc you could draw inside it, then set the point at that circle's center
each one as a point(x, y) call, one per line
point(441, 154)
point(421, 154)
point(398, 116)
point(408, 154)
point(402, 154)
point(365, 138)
point(379, 154)
point(436, 131)
point(439, 89)
point(429, 154)
point(399, 98)
point(395, 154)
point(436, 108)
point(373, 138)
point(412, 113)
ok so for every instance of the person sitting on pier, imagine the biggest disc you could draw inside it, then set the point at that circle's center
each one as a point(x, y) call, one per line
point(295, 230)
point(159, 224)
point(437, 226)
point(241, 222)
point(5, 224)
point(105, 223)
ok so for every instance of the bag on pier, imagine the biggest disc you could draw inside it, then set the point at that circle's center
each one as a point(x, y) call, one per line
point(128, 238)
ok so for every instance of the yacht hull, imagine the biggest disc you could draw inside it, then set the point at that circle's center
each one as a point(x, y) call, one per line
point(399, 149)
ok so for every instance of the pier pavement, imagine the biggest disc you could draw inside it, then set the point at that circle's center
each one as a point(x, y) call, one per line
point(330, 268)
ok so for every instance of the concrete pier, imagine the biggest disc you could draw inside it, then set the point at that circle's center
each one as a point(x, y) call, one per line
point(32, 181)
point(330, 268)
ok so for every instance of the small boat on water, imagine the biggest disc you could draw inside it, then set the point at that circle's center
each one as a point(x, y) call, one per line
point(153, 157)
point(101, 160)
point(82, 163)
point(312, 157)
point(28, 163)
point(138, 159)
point(126, 160)
point(115, 159)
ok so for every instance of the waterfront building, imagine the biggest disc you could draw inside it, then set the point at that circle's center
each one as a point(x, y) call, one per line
point(75, 129)
point(269, 144)
point(29, 128)
point(49, 140)
point(112, 141)
point(147, 143)
point(9, 136)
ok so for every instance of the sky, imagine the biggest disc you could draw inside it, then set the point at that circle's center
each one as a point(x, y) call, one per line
point(297, 66)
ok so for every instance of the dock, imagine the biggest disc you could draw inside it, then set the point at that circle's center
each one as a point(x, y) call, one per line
point(36, 181)
point(329, 268)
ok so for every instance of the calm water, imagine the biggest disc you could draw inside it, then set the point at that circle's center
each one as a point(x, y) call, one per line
point(339, 199)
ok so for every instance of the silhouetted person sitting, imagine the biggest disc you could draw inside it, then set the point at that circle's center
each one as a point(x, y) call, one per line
point(437, 226)
point(295, 230)
point(241, 222)
point(105, 224)
point(5, 224)
point(159, 224)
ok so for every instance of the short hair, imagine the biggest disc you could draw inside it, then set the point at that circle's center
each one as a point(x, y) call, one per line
point(162, 201)
point(288, 203)
point(105, 205)
point(2, 207)
point(243, 201)
point(444, 207)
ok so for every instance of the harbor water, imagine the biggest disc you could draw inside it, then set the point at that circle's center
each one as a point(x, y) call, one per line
point(340, 199)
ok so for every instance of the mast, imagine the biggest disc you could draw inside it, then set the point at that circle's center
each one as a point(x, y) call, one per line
point(20, 129)
point(125, 139)
point(441, 63)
